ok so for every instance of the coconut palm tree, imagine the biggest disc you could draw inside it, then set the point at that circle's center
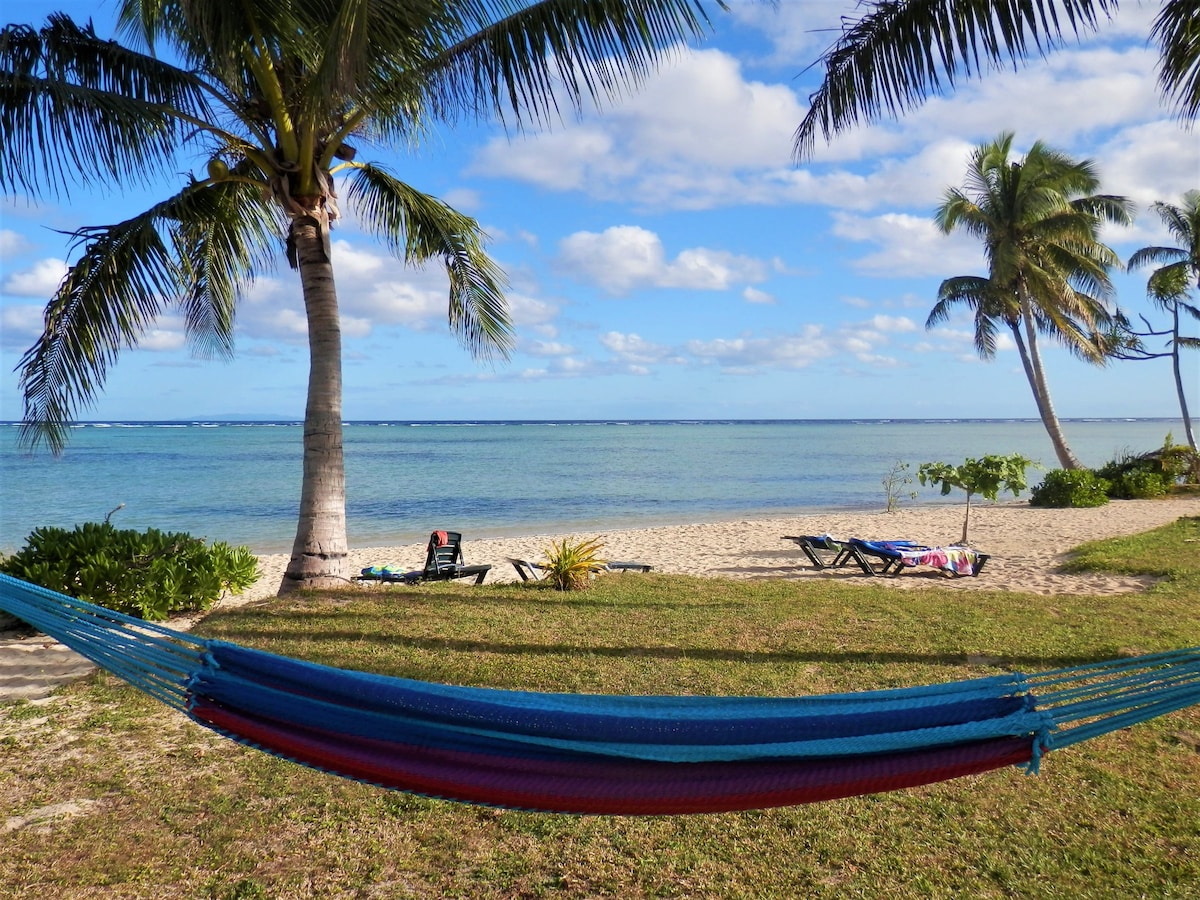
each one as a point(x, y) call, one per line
point(1039, 219)
point(899, 52)
point(1170, 285)
point(270, 101)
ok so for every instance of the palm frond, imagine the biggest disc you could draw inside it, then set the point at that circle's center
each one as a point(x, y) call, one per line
point(900, 52)
point(514, 57)
point(1150, 255)
point(123, 279)
point(1177, 31)
point(224, 235)
point(982, 298)
point(78, 109)
point(187, 250)
point(419, 228)
point(1168, 285)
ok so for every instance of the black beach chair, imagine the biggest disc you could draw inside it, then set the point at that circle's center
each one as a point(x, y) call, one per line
point(531, 571)
point(444, 560)
point(823, 551)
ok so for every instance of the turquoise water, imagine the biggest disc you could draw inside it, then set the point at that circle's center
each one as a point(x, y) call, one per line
point(241, 482)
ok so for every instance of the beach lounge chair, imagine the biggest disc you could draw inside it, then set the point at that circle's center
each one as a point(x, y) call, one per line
point(823, 551)
point(387, 574)
point(531, 571)
point(444, 559)
point(443, 562)
point(891, 556)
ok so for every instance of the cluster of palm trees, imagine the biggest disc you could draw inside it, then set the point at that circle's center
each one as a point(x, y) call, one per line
point(277, 97)
point(1039, 219)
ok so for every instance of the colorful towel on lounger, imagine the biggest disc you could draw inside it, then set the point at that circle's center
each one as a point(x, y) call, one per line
point(956, 560)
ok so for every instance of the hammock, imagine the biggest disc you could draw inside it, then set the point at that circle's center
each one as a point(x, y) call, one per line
point(583, 753)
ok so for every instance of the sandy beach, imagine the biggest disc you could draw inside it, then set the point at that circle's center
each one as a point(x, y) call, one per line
point(1027, 546)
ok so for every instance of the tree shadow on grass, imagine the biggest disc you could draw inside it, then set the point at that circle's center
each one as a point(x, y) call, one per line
point(475, 646)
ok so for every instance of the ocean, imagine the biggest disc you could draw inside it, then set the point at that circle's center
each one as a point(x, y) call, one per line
point(240, 481)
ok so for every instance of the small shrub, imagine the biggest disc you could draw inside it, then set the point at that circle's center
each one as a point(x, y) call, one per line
point(150, 575)
point(895, 485)
point(1153, 474)
point(1070, 488)
point(569, 564)
point(1138, 484)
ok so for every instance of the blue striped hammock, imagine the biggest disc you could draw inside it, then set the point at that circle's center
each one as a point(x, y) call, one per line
point(628, 755)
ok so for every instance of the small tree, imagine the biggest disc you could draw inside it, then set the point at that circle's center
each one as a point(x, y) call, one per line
point(986, 477)
point(895, 485)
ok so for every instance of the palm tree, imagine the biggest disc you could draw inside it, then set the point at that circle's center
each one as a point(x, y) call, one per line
point(1039, 220)
point(1170, 285)
point(273, 98)
point(898, 52)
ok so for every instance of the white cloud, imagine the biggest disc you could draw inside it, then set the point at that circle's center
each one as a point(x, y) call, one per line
point(532, 312)
point(625, 257)
point(798, 30)
point(464, 200)
point(754, 295)
point(893, 324)
point(908, 245)
point(1156, 161)
point(41, 280)
point(794, 351)
point(12, 243)
point(20, 324)
point(632, 348)
point(678, 141)
point(559, 161)
point(351, 264)
point(161, 338)
point(547, 348)
point(700, 134)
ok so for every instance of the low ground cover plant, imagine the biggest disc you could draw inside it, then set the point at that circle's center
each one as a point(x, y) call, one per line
point(148, 574)
point(570, 564)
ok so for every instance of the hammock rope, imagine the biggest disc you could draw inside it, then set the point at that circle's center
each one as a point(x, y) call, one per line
point(593, 753)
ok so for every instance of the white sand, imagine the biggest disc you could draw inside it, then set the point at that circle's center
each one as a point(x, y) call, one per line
point(1026, 547)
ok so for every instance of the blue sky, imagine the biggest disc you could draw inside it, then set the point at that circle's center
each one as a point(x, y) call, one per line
point(668, 259)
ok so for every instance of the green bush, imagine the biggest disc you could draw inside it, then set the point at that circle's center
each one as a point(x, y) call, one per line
point(1138, 484)
point(150, 575)
point(1070, 487)
point(1151, 474)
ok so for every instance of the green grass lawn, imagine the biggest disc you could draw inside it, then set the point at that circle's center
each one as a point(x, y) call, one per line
point(166, 809)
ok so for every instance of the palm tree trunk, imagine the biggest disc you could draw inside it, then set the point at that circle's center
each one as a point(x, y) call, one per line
point(1183, 407)
point(1031, 359)
point(319, 551)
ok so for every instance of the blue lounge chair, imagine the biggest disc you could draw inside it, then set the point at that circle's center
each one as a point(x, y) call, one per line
point(892, 556)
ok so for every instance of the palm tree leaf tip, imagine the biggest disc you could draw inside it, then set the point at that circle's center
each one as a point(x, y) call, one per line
point(900, 52)
point(419, 228)
point(79, 108)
